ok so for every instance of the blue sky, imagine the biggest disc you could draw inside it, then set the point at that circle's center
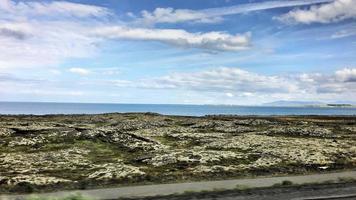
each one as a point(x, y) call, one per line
point(190, 52)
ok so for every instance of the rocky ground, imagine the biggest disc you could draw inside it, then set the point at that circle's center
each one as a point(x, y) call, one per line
point(40, 153)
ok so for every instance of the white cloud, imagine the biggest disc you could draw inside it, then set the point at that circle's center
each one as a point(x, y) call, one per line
point(33, 43)
point(346, 75)
point(344, 33)
point(342, 82)
point(216, 41)
point(228, 94)
point(79, 71)
point(28, 39)
point(5, 5)
point(229, 80)
point(238, 83)
point(44, 34)
point(335, 11)
point(55, 8)
point(213, 15)
point(219, 85)
point(170, 15)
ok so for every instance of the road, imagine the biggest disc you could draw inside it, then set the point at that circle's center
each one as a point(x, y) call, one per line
point(168, 189)
point(344, 191)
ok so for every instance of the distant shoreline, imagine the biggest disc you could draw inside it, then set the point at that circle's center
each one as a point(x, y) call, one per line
point(185, 104)
point(41, 108)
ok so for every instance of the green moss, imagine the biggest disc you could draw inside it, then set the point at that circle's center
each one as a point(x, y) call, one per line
point(287, 182)
point(100, 152)
point(51, 147)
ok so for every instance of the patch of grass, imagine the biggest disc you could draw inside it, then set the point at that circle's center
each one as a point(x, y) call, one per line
point(15, 149)
point(347, 179)
point(287, 182)
point(189, 192)
point(283, 183)
point(219, 189)
point(100, 152)
point(52, 147)
point(169, 140)
point(193, 143)
point(24, 187)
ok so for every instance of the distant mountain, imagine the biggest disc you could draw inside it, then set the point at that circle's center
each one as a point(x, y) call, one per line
point(311, 103)
point(345, 102)
point(294, 103)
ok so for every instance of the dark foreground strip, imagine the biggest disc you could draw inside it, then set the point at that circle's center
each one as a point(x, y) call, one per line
point(349, 196)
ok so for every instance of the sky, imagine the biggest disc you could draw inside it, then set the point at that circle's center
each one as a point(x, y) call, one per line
point(241, 52)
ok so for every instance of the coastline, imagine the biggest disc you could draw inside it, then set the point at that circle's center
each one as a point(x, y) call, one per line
point(38, 108)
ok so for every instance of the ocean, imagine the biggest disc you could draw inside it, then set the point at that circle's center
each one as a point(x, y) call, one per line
point(167, 109)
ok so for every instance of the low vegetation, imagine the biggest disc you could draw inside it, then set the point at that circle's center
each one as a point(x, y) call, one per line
point(44, 153)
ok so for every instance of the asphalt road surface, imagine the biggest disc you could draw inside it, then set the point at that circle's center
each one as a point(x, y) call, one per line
point(169, 189)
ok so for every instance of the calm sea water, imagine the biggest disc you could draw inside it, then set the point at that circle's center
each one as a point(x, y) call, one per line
point(192, 110)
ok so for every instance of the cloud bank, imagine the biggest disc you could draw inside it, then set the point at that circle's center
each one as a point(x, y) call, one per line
point(223, 79)
point(54, 9)
point(237, 82)
point(346, 75)
point(327, 13)
point(43, 34)
point(213, 15)
point(212, 85)
point(216, 41)
point(61, 30)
